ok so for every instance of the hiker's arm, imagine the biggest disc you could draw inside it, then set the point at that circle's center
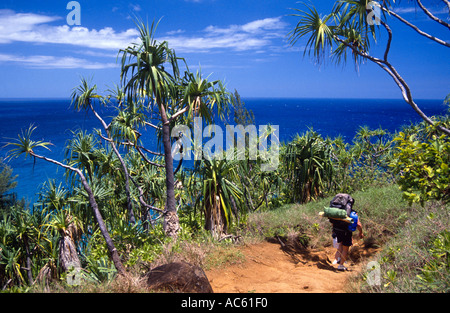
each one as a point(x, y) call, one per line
point(359, 228)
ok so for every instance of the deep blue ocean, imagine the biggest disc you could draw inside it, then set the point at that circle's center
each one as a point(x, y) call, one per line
point(330, 117)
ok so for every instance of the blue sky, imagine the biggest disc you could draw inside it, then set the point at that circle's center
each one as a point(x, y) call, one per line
point(242, 42)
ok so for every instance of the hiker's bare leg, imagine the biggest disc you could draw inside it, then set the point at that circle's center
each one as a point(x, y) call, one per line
point(344, 253)
point(338, 251)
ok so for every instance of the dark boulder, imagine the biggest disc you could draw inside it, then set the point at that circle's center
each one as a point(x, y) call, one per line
point(179, 277)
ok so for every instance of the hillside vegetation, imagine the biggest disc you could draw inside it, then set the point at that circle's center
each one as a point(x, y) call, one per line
point(413, 237)
point(127, 208)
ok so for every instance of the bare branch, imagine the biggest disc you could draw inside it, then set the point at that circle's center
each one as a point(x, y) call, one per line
point(447, 3)
point(151, 125)
point(122, 162)
point(146, 159)
point(141, 198)
point(103, 137)
point(440, 41)
point(181, 112)
point(178, 167)
point(76, 170)
point(406, 92)
point(363, 54)
point(151, 152)
point(388, 45)
point(430, 15)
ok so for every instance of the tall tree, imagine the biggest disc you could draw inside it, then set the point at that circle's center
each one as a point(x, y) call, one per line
point(150, 71)
point(82, 98)
point(350, 28)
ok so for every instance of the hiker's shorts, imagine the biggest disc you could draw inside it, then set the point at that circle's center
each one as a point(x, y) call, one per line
point(344, 236)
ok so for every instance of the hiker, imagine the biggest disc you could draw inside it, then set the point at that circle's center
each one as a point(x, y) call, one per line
point(342, 231)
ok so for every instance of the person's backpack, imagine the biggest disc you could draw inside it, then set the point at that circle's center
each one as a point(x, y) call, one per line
point(344, 202)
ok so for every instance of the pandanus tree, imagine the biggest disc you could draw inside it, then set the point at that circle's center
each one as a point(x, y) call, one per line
point(220, 196)
point(151, 73)
point(25, 145)
point(350, 29)
point(83, 98)
point(308, 167)
point(68, 226)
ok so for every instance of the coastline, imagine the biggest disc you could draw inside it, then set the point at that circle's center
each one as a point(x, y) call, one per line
point(329, 117)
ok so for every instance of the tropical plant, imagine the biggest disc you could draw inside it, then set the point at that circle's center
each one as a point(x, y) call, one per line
point(55, 202)
point(70, 230)
point(423, 165)
point(170, 96)
point(23, 245)
point(372, 147)
point(81, 153)
point(7, 183)
point(83, 97)
point(25, 145)
point(308, 168)
point(350, 28)
point(220, 195)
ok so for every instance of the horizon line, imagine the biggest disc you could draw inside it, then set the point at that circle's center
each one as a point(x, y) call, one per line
point(242, 97)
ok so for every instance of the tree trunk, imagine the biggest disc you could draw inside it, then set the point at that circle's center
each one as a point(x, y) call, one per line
point(69, 260)
point(114, 255)
point(101, 224)
point(171, 223)
point(215, 220)
point(122, 162)
point(27, 250)
point(68, 256)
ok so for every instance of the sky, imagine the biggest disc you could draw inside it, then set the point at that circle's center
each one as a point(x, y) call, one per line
point(244, 43)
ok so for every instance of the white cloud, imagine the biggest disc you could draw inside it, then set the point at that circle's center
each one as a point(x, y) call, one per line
point(254, 35)
point(258, 35)
point(175, 32)
point(264, 24)
point(135, 7)
point(405, 10)
point(434, 9)
point(52, 62)
point(34, 28)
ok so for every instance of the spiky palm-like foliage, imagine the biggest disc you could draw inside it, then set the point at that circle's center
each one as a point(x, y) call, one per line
point(308, 167)
point(220, 194)
point(350, 28)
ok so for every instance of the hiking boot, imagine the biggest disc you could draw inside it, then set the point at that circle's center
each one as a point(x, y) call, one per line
point(336, 261)
point(342, 268)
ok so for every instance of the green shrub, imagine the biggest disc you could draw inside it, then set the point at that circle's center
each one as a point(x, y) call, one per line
point(423, 165)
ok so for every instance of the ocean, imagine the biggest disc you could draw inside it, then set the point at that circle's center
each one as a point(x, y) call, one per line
point(330, 117)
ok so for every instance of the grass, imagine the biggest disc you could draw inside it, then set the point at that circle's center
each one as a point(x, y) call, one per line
point(405, 233)
point(382, 211)
point(409, 251)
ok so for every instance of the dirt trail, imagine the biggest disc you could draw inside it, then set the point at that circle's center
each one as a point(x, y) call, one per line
point(268, 269)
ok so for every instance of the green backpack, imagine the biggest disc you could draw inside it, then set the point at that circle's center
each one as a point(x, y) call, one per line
point(334, 213)
point(340, 208)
